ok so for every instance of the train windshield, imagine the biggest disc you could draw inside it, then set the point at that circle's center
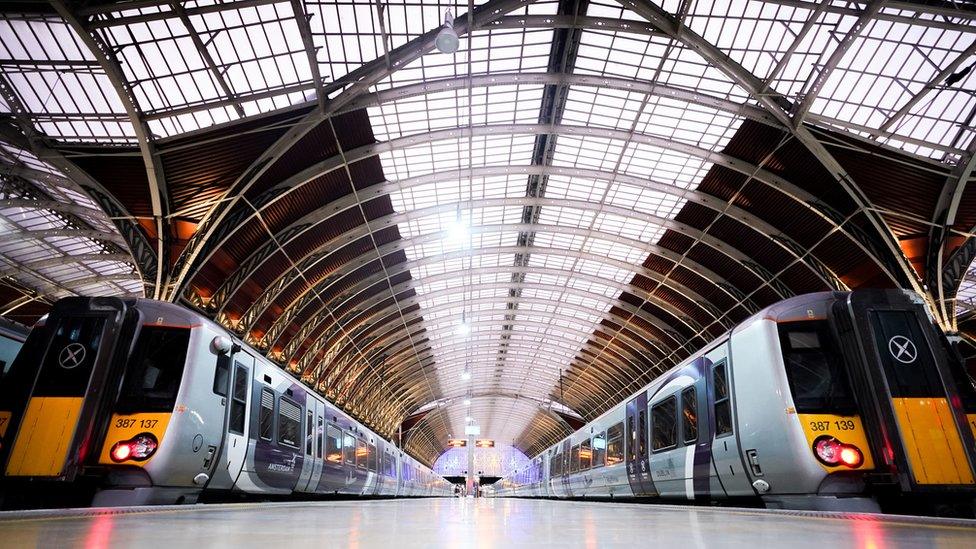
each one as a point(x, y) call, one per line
point(153, 374)
point(815, 369)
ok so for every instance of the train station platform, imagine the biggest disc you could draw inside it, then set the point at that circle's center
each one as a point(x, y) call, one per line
point(458, 523)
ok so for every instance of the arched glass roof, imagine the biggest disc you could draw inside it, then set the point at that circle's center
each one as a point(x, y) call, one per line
point(582, 194)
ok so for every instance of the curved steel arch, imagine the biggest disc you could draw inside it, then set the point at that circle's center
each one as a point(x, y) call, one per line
point(801, 197)
point(321, 215)
point(365, 306)
point(633, 353)
point(350, 86)
point(635, 85)
point(700, 236)
point(276, 331)
point(366, 320)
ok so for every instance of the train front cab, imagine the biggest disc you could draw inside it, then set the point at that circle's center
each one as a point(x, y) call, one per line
point(873, 410)
point(913, 395)
point(89, 397)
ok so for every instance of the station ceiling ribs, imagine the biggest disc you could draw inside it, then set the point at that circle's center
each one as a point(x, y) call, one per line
point(631, 183)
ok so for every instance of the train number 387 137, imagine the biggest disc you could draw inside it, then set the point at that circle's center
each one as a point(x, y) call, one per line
point(142, 423)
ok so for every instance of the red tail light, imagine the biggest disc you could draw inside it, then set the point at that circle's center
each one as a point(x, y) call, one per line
point(833, 452)
point(138, 448)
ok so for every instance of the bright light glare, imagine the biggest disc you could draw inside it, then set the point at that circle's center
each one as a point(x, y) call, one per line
point(463, 329)
point(467, 402)
point(469, 419)
point(465, 375)
point(458, 231)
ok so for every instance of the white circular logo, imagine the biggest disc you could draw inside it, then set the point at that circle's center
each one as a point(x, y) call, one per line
point(902, 349)
point(72, 356)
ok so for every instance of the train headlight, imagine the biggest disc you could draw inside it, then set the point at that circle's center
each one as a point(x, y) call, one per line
point(833, 452)
point(138, 448)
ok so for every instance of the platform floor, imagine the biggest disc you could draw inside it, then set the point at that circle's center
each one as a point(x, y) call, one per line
point(458, 523)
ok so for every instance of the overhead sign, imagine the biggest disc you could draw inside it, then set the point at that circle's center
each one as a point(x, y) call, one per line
point(457, 442)
point(472, 430)
point(484, 443)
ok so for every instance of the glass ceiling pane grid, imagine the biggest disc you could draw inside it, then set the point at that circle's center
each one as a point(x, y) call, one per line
point(493, 51)
point(888, 64)
point(31, 246)
point(517, 104)
point(452, 192)
point(754, 33)
point(256, 49)
point(454, 154)
point(627, 55)
point(64, 91)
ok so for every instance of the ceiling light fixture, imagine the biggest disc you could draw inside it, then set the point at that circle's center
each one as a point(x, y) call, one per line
point(447, 40)
point(465, 375)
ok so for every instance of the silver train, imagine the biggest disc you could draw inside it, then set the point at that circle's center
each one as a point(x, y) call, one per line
point(144, 402)
point(845, 401)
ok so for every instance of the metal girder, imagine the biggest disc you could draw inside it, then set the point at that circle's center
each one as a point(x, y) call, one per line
point(367, 306)
point(260, 305)
point(68, 259)
point(942, 22)
point(305, 30)
point(349, 87)
point(32, 140)
point(52, 205)
point(656, 89)
point(154, 172)
point(944, 277)
point(323, 214)
point(19, 234)
point(363, 327)
point(719, 246)
point(296, 182)
point(940, 77)
point(180, 12)
point(810, 95)
point(894, 263)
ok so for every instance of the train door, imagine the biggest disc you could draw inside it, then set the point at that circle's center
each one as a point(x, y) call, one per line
point(726, 454)
point(55, 396)
point(638, 468)
point(906, 388)
point(233, 448)
point(312, 449)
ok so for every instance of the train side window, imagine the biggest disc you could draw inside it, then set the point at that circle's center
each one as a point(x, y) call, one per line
point(238, 401)
point(333, 444)
point(266, 417)
point(689, 415)
point(371, 458)
point(320, 434)
point(361, 454)
point(664, 428)
point(574, 459)
point(586, 455)
point(309, 430)
point(615, 444)
point(723, 404)
point(289, 422)
point(631, 439)
point(349, 449)
point(220, 375)
point(642, 433)
point(599, 450)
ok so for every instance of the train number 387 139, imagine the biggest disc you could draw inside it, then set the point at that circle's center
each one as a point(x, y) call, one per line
point(840, 425)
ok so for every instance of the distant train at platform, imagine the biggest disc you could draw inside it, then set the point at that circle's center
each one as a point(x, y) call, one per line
point(827, 401)
point(143, 402)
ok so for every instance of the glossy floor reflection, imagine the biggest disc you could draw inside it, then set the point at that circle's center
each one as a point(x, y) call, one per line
point(458, 523)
